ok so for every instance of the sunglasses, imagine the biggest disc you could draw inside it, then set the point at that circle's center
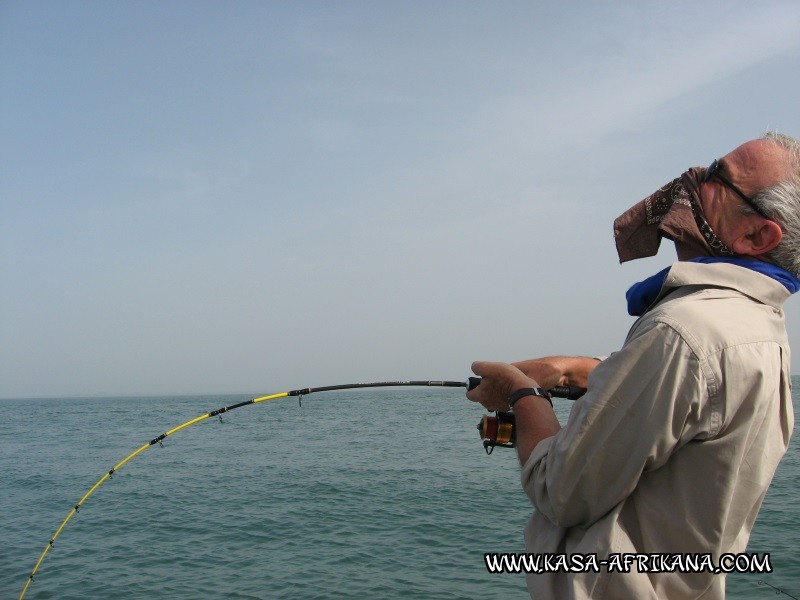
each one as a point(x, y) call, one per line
point(713, 171)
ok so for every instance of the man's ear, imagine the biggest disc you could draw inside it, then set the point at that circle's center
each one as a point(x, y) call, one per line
point(761, 237)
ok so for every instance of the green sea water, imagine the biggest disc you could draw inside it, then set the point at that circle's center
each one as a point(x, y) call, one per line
point(370, 493)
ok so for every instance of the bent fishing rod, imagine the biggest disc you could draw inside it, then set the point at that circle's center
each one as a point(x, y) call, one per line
point(496, 430)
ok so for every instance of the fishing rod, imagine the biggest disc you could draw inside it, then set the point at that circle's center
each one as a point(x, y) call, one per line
point(501, 437)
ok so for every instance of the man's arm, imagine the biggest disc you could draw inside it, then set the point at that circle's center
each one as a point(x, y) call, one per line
point(551, 371)
point(643, 402)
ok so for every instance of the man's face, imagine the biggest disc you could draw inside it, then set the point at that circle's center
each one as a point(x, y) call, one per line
point(752, 167)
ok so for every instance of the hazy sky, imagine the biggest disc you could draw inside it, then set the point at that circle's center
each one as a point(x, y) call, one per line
point(208, 197)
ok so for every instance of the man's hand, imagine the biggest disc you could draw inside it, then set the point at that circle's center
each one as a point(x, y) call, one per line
point(499, 381)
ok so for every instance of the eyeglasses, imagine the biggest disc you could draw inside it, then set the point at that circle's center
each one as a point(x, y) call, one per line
point(713, 171)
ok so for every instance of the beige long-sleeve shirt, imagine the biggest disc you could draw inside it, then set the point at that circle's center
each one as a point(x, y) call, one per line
point(673, 447)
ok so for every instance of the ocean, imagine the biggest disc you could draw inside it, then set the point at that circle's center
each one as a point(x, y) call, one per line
point(383, 493)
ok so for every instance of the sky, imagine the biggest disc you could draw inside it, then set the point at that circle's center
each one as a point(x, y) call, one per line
point(252, 196)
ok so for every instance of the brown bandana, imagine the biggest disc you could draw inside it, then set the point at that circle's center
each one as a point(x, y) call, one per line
point(673, 212)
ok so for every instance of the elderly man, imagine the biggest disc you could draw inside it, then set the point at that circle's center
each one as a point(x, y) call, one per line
point(674, 445)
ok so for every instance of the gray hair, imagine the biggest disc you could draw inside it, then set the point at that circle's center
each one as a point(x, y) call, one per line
point(782, 203)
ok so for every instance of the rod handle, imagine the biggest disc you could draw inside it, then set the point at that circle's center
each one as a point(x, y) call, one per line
point(570, 392)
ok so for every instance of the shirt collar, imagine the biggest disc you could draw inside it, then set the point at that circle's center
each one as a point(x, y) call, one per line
point(760, 287)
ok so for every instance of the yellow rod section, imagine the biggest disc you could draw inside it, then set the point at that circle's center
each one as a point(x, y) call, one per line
point(121, 464)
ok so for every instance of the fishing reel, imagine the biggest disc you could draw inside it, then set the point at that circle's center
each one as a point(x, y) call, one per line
point(497, 430)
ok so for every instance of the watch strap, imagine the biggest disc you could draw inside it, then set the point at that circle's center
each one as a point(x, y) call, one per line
point(534, 391)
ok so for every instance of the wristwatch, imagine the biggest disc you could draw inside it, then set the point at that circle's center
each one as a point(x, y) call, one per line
point(534, 391)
